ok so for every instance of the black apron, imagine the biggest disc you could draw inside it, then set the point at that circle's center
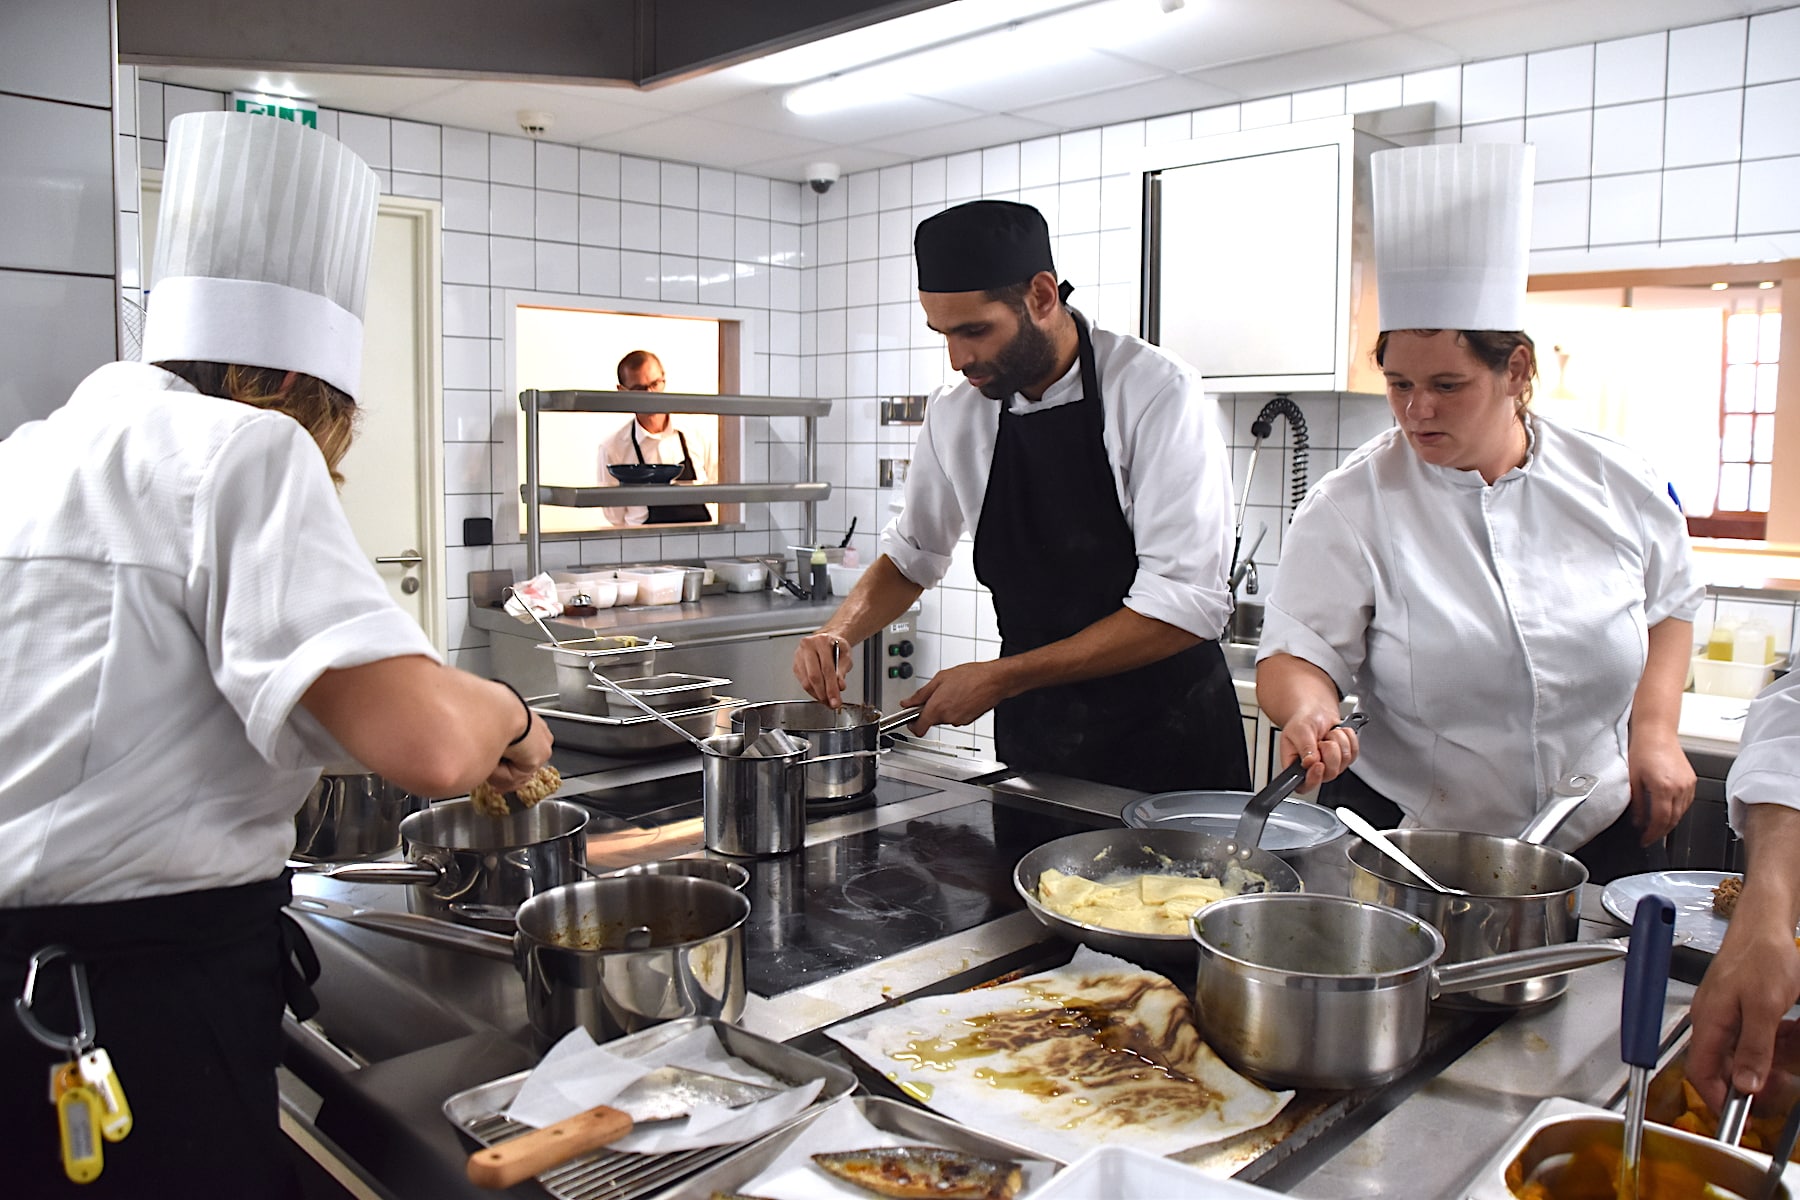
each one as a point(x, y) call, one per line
point(673, 514)
point(187, 993)
point(1055, 550)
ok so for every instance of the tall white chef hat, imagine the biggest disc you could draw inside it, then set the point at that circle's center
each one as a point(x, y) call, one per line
point(1453, 235)
point(262, 248)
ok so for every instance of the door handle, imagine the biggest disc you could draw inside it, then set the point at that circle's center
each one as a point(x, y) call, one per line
point(408, 558)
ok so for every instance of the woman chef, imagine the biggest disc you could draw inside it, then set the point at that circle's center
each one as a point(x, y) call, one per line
point(1510, 599)
point(190, 632)
point(1095, 481)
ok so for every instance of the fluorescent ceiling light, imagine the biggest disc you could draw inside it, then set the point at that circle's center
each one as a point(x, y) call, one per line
point(902, 35)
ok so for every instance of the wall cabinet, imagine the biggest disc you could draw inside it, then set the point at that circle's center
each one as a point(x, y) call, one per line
point(1258, 264)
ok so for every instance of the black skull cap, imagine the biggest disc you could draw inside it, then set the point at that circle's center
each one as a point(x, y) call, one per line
point(981, 245)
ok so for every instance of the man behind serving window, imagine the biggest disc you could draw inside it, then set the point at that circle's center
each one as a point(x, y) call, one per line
point(653, 438)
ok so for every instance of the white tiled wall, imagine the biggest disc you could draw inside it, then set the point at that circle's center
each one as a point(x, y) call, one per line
point(57, 308)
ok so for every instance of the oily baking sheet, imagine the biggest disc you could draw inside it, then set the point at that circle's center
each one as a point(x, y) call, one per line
point(1061, 1062)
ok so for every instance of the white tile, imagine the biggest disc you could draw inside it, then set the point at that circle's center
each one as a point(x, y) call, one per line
point(1626, 208)
point(1373, 94)
point(512, 211)
point(599, 221)
point(149, 109)
point(1320, 102)
point(1078, 206)
point(680, 278)
point(1119, 253)
point(751, 196)
point(680, 231)
point(1559, 80)
point(466, 468)
point(1512, 131)
point(1441, 88)
point(1120, 145)
point(1563, 144)
point(1158, 131)
point(465, 153)
point(465, 257)
point(1631, 69)
point(512, 262)
point(423, 187)
point(417, 148)
point(771, 287)
point(599, 173)
point(784, 201)
point(328, 120)
point(833, 238)
point(640, 275)
point(640, 227)
point(558, 216)
point(862, 240)
point(928, 181)
point(1772, 120)
point(367, 137)
point(1078, 257)
point(466, 364)
point(1559, 214)
point(1209, 122)
point(1699, 202)
point(1079, 155)
point(1000, 169)
point(1703, 58)
point(784, 243)
point(862, 192)
point(56, 189)
point(558, 167)
point(69, 323)
point(680, 185)
point(718, 191)
point(894, 232)
point(1038, 162)
point(1121, 200)
point(1493, 91)
point(178, 101)
point(717, 237)
point(717, 281)
point(465, 310)
point(1766, 200)
point(512, 160)
point(1774, 51)
point(58, 50)
point(1276, 110)
point(1628, 137)
point(599, 271)
point(1702, 129)
point(831, 285)
point(1045, 200)
point(962, 177)
point(468, 416)
point(558, 267)
point(640, 180)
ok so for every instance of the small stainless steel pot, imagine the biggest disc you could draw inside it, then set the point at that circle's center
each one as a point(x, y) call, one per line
point(467, 865)
point(756, 807)
point(852, 729)
point(1301, 990)
point(351, 816)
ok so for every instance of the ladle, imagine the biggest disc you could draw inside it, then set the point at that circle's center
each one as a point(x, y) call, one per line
point(657, 713)
point(1379, 840)
point(532, 613)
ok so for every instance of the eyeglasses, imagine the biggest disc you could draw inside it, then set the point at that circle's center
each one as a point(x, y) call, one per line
point(649, 385)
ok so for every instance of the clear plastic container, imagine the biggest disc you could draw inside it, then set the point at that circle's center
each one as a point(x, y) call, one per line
point(657, 585)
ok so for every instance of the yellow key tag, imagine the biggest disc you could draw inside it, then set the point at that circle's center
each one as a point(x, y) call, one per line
point(78, 1115)
point(98, 1074)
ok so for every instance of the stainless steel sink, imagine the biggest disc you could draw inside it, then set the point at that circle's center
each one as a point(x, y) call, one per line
point(1241, 658)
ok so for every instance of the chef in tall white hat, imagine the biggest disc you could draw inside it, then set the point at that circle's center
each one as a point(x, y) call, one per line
point(189, 633)
point(1511, 599)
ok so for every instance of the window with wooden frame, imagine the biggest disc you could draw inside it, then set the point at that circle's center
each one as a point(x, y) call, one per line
point(1748, 374)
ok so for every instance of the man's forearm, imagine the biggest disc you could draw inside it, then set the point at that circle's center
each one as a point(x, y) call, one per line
point(1772, 871)
point(1122, 641)
point(879, 598)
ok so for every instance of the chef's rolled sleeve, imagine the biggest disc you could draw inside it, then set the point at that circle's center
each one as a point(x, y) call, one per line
point(922, 536)
point(1767, 769)
point(1326, 622)
point(1670, 589)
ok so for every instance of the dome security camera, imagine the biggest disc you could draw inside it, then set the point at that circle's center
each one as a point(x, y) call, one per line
point(821, 175)
point(534, 123)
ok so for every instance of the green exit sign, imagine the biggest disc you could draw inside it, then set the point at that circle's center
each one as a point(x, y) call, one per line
point(283, 108)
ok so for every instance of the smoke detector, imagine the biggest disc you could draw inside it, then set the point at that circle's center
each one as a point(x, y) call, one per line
point(534, 122)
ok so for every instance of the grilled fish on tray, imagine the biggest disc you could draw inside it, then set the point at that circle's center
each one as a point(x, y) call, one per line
point(925, 1171)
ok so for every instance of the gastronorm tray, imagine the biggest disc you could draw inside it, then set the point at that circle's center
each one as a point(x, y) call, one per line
point(621, 657)
point(628, 735)
point(618, 1175)
point(891, 1116)
point(665, 692)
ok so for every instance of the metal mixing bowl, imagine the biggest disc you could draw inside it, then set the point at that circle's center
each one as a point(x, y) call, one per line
point(1105, 853)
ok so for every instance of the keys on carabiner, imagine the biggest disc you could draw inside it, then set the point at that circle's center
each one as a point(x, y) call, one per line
point(79, 1114)
point(97, 1073)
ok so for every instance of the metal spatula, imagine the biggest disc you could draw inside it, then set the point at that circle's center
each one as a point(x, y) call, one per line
point(665, 1094)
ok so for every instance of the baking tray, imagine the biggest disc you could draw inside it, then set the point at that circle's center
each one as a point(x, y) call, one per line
point(616, 1175)
point(892, 1116)
point(625, 736)
point(669, 691)
point(622, 657)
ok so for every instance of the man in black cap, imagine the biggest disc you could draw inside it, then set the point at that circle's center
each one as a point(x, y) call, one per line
point(1099, 492)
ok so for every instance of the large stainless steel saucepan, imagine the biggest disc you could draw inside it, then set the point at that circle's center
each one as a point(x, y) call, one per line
point(464, 864)
point(351, 816)
point(1522, 893)
point(1330, 992)
point(611, 955)
point(849, 729)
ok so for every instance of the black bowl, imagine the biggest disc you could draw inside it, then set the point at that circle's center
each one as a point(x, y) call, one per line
point(634, 473)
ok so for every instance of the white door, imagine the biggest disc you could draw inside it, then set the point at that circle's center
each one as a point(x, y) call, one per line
point(393, 491)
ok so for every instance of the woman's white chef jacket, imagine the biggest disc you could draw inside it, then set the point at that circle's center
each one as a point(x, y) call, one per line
point(1495, 634)
point(178, 572)
point(1168, 460)
point(664, 447)
point(1767, 769)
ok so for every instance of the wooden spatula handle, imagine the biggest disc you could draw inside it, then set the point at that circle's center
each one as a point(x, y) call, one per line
point(518, 1159)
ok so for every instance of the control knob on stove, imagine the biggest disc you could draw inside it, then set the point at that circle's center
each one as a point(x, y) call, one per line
point(903, 671)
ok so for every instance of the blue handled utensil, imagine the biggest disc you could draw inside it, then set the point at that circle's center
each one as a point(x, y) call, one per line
point(1640, 1022)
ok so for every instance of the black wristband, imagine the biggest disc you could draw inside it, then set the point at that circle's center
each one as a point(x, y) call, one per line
point(528, 713)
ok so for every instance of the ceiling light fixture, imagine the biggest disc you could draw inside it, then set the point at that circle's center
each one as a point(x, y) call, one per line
point(1719, 287)
point(1766, 284)
point(874, 43)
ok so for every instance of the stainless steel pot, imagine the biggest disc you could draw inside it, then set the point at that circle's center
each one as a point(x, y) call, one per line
point(467, 865)
point(1523, 893)
point(351, 816)
point(1301, 990)
point(850, 729)
point(610, 955)
point(732, 875)
point(756, 807)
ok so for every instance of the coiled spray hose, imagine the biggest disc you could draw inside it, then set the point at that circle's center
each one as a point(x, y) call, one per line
point(1264, 425)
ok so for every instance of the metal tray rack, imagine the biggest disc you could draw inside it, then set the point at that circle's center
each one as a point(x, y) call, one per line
point(616, 1175)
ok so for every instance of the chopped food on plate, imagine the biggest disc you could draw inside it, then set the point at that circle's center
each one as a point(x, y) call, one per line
point(490, 800)
point(1725, 896)
point(1160, 904)
point(925, 1171)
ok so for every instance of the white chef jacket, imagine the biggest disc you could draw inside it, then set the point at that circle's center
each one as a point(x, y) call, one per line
point(1168, 462)
point(1496, 635)
point(179, 571)
point(1767, 769)
point(664, 447)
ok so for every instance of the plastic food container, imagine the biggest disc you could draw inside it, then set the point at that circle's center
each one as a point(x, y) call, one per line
point(1743, 680)
point(843, 578)
point(740, 576)
point(656, 585)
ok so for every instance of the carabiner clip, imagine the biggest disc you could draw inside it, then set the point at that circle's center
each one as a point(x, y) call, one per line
point(77, 1043)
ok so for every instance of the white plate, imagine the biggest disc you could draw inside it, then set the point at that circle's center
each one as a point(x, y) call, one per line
point(1697, 926)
